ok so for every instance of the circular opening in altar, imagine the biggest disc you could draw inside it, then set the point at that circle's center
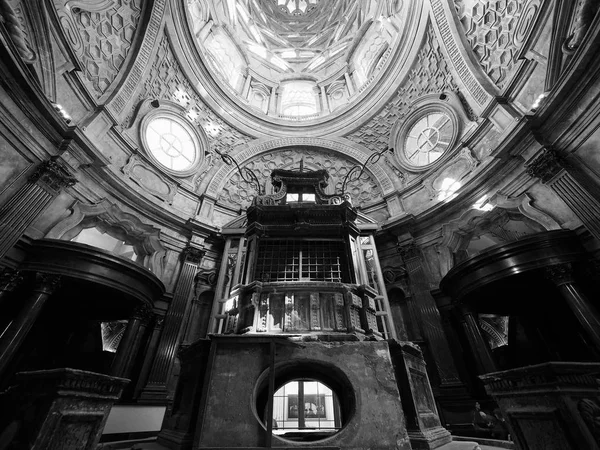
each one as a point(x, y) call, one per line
point(308, 404)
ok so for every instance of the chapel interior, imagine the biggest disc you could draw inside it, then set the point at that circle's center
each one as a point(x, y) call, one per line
point(328, 224)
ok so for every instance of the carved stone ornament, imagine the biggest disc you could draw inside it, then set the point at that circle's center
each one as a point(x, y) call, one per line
point(409, 250)
point(149, 180)
point(590, 413)
point(545, 166)
point(206, 278)
point(53, 175)
point(46, 283)
point(16, 31)
point(192, 255)
point(560, 273)
point(10, 279)
point(143, 313)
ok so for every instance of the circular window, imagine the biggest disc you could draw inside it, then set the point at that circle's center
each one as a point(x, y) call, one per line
point(426, 137)
point(310, 402)
point(172, 142)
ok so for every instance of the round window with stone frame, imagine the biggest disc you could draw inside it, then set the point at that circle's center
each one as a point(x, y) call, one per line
point(426, 136)
point(172, 142)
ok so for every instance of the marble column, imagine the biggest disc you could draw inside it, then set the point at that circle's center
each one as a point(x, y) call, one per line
point(174, 325)
point(30, 201)
point(16, 332)
point(554, 171)
point(479, 347)
point(562, 276)
point(131, 341)
point(429, 314)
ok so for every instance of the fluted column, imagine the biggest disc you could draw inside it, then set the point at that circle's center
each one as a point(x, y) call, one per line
point(562, 276)
point(479, 347)
point(430, 316)
point(131, 341)
point(30, 201)
point(552, 169)
point(16, 332)
point(156, 388)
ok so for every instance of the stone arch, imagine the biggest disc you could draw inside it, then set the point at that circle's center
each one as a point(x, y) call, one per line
point(110, 219)
point(246, 153)
point(475, 223)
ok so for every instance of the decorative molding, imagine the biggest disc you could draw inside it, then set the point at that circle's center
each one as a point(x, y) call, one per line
point(583, 17)
point(462, 67)
point(546, 165)
point(46, 283)
point(560, 274)
point(53, 175)
point(429, 75)
point(224, 173)
point(143, 313)
point(105, 30)
point(90, 5)
point(167, 81)
point(496, 31)
point(237, 192)
point(192, 255)
point(17, 32)
point(10, 279)
point(523, 203)
point(147, 178)
point(110, 217)
point(128, 89)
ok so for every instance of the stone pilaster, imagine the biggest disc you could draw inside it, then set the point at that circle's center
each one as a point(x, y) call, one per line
point(552, 170)
point(30, 201)
point(174, 326)
point(429, 314)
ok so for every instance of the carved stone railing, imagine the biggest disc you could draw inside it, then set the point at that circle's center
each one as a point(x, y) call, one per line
point(300, 307)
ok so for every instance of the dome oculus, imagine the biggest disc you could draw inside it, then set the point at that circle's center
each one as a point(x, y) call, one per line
point(172, 143)
point(428, 138)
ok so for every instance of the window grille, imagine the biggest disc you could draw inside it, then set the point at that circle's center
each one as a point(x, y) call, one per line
point(296, 260)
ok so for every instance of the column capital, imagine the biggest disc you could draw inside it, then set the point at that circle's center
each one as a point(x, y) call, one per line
point(546, 165)
point(53, 175)
point(192, 255)
point(10, 279)
point(46, 283)
point(408, 249)
point(560, 274)
point(143, 313)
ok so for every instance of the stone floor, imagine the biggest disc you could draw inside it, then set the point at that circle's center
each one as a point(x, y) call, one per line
point(462, 444)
